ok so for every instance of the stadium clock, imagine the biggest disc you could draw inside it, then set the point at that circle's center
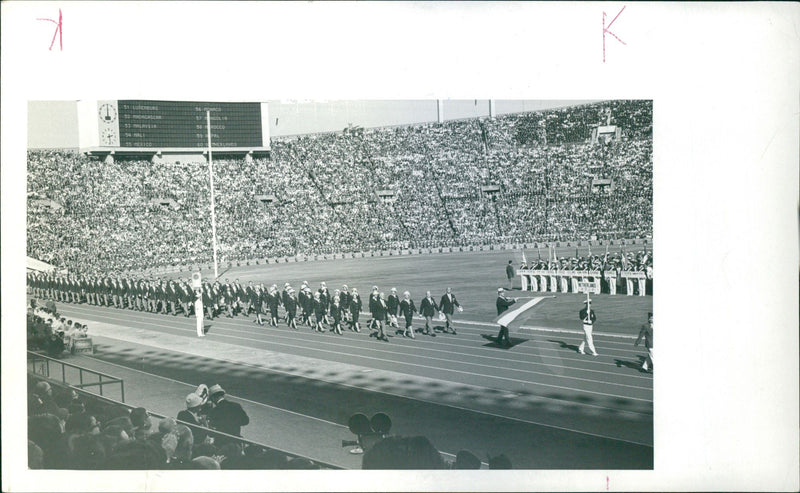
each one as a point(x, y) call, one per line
point(108, 113)
point(109, 137)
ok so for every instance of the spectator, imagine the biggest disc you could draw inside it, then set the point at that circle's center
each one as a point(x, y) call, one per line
point(403, 453)
point(101, 219)
point(226, 416)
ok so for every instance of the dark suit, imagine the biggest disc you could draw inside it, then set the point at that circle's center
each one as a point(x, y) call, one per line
point(428, 308)
point(228, 417)
point(407, 310)
point(198, 434)
point(448, 304)
point(502, 305)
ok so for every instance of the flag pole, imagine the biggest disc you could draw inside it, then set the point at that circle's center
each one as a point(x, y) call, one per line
point(211, 181)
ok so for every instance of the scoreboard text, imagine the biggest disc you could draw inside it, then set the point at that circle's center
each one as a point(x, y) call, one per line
point(182, 124)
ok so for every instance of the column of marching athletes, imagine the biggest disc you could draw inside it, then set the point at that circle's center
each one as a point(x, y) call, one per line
point(319, 309)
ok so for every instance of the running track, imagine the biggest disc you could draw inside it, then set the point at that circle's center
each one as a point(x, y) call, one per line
point(540, 402)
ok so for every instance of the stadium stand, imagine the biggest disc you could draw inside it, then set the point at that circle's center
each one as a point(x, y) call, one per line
point(70, 428)
point(515, 178)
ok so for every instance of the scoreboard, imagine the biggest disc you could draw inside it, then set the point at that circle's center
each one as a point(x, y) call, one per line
point(180, 124)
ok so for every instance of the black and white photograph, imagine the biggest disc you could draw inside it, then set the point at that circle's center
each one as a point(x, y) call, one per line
point(426, 284)
point(400, 246)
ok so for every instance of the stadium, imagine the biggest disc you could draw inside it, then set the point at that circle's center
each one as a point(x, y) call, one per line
point(178, 267)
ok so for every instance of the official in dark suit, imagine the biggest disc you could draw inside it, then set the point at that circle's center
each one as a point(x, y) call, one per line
point(448, 304)
point(428, 308)
point(381, 312)
point(510, 274)
point(502, 305)
point(226, 416)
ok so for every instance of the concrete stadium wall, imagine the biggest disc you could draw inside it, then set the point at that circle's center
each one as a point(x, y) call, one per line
point(512, 247)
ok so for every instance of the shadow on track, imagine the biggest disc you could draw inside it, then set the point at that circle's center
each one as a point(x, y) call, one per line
point(514, 341)
point(564, 345)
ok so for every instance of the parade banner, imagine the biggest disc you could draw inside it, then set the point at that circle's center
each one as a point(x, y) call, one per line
point(589, 287)
point(634, 274)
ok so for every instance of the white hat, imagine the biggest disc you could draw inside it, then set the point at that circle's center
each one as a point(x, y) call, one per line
point(193, 400)
point(215, 389)
point(499, 290)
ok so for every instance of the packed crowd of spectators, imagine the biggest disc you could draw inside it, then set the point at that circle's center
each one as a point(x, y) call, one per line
point(325, 188)
point(67, 430)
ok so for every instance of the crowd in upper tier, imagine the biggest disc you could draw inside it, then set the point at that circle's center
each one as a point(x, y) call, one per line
point(97, 217)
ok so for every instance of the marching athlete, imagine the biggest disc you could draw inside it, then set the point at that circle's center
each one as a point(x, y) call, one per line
point(319, 312)
point(198, 312)
point(273, 301)
point(257, 301)
point(428, 308)
point(291, 309)
point(407, 310)
point(392, 303)
point(336, 314)
point(448, 303)
point(381, 311)
point(355, 310)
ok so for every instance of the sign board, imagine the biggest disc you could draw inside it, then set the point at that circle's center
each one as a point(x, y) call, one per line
point(634, 274)
point(589, 287)
point(83, 346)
point(196, 281)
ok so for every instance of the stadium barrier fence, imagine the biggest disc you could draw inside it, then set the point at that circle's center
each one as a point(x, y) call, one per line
point(106, 401)
point(163, 270)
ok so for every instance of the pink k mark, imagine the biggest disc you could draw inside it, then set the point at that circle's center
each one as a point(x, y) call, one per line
point(58, 31)
point(605, 30)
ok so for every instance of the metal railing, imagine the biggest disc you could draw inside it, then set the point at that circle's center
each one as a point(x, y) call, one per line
point(43, 363)
point(211, 432)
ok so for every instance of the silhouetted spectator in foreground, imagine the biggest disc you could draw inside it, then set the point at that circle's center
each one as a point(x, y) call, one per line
point(403, 453)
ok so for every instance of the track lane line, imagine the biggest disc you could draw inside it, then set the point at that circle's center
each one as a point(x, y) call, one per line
point(461, 408)
point(357, 356)
point(240, 325)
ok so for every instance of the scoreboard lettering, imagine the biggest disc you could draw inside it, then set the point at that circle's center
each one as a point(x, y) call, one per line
point(179, 124)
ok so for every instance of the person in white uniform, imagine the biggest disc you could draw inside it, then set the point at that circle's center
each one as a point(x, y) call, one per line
point(198, 311)
point(642, 285)
point(647, 334)
point(588, 318)
point(534, 284)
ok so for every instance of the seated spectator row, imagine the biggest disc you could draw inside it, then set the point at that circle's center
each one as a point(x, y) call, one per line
point(72, 429)
point(69, 429)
